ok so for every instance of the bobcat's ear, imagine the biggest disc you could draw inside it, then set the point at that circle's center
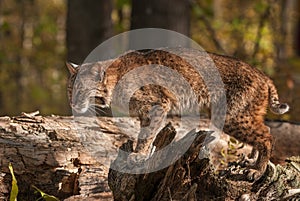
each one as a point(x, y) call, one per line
point(72, 67)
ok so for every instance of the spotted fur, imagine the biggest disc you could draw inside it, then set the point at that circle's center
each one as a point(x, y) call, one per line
point(248, 94)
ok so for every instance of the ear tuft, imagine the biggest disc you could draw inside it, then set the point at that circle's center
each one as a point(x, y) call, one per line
point(72, 67)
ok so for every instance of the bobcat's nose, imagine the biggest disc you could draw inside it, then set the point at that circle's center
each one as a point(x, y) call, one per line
point(79, 108)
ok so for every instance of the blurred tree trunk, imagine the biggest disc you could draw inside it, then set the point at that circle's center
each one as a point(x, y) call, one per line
point(218, 8)
point(297, 31)
point(89, 23)
point(21, 59)
point(284, 24)
point(167, 14)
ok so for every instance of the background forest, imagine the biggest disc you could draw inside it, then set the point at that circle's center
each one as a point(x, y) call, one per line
point(38, 36)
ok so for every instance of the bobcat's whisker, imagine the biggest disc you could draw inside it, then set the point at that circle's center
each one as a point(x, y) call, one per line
point(98, 110)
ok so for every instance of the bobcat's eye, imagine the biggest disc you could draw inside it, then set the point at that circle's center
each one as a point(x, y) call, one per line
point(100, 101)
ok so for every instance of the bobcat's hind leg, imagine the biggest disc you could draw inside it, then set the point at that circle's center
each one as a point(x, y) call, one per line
point(263, 145)
point(251, 130)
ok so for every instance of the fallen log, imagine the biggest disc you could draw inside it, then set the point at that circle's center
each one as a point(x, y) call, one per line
point(48, 152)
point(54, 153)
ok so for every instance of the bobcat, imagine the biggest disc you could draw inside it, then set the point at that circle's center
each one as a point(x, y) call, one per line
point(248, 94)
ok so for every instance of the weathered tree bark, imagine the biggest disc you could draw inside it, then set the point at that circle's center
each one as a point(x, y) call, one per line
point(89, 23)
point(50, 153)
point(155, 14)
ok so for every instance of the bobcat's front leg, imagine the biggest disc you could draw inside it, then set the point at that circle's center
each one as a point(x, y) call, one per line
point(150, 123)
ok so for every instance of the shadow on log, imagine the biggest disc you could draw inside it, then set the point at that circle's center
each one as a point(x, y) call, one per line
point(172, 182)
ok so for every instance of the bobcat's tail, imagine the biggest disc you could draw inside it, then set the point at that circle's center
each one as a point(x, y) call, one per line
point(275, 106)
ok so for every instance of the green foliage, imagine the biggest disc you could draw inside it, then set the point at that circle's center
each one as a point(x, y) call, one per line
point(15, 190)
point(44, 196)
point(121, 3)
point(121, 15)
point(234, 28)
point(260, 6)
point(14, 186)
point(203, 9)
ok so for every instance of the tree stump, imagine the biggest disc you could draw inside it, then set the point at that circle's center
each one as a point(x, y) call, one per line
point(192, 178)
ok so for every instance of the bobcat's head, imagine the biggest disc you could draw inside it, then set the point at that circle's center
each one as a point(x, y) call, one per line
point(87, 89)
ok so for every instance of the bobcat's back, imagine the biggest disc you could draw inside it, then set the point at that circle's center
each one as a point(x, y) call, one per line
point(242, 82)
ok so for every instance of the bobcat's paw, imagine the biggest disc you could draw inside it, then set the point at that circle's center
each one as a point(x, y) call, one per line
point(246, 161)
point(136, 159)
point(253, 175)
